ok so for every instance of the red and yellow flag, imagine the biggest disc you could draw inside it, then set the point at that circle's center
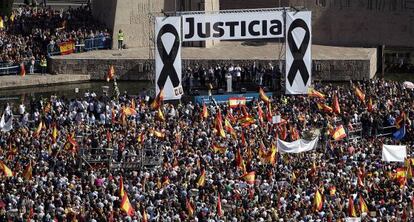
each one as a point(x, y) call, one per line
point(332, 190)
point(370, 105)
point(54, 134)
point(362, 205)
point(359, 94)
point(218, 149)
point(351, 208)
point(250, 177)
point(159, 134)
point(239, 161)
point(260, 113)
point(141, 137)
point(22, 70)
point(408, 168)
point(111, 73)
point(125, 204)
point(313, 93)
point(294, 134)
point(39, 129)
point(246, 121)
point(324, 107)
point(160, 115)
point(229, 128)
point(6, 170)
point(336, 107)
point(27, 173)
point(190, 208)
point(144, 215)
point(219, 125)
point(219, 209)
point(71, 144)
point(339, 133)
point(401, 176)
point(263, 95)
point(204, 114)
point(158, 100)
point(317, 201)
point(202, 179)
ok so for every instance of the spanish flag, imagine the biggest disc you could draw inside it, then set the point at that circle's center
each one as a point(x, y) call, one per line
point(401, 176)
point(111, 73)
point(218, 149)
point(125, 204)
point(202, 179)
point(370, 106)
point(141, 138)
point(360, 94)
point(71, 143)
point(272, 156)
point(339, 133)
point(246, 121)
point(7, 172)
point(332, 190)
point(263, 95)
point(158, 100)
point(129, 111)
point(324, 107)
point(160, 115)
point(317, 201)
point(239, 161)
point(144, 215)
point(313, 93)
point(250, 177)
point(190, 208)
point(219, 209)
point(27, 173)
point(229, 128)
point(22, 70)
point(121, 187)
point(259, 113)
point(262, 152)
point(39, 129)
point(269, 114)
point(54, 134)
point(362, 205)
point(336, 107)
point(204, 114)
point(219, 125)
point(243, 139)
point(159, 134)
point(351, 208)
point(294, 134)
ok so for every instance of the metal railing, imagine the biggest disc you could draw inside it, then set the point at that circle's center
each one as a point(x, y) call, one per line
point(90, 44)
point(14, 69)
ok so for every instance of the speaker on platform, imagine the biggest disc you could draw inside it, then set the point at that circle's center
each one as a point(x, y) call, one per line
point(243, 90)
point(220, 91)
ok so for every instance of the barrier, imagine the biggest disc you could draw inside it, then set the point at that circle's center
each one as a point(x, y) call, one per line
point(14, 69)
point(68, 47)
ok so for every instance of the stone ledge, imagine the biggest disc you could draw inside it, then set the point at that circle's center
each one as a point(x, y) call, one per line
point(16, 81)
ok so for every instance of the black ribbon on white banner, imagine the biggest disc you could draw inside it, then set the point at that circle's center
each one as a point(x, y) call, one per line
point(298, 52)
point(168, 59)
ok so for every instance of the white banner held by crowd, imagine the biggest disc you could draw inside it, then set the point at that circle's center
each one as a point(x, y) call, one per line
point(297, 146)
point(393, 153)
point(231, 26)
point(298, 52)
point(168, 57)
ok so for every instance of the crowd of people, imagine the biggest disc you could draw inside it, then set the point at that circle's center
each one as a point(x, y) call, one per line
point(206, 175)
point(30, 32)
point(245, 75)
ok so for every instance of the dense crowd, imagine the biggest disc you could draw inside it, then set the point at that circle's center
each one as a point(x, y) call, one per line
point(29, 32)
point(283, 189)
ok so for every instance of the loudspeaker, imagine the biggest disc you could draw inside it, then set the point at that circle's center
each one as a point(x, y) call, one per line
point(220, 91)
point(243, 90)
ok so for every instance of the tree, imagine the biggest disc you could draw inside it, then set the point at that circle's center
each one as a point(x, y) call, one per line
point(6, 7)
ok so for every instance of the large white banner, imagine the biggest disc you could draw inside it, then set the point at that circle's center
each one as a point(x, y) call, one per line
point(227, 26)
point(393, 153)
point(168, 57)
point(298, 52)
point(297, 146)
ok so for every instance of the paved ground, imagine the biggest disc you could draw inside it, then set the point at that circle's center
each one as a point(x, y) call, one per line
point(38, 79)
point(234, 50)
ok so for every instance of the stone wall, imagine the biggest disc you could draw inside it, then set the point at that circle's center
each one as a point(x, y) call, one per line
point(140, 69)
point(361, 23)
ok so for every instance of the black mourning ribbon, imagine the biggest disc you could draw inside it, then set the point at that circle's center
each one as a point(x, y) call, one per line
point(298, 53)
point(168, 58)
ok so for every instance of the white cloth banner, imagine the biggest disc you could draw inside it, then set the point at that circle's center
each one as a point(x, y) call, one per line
point(298, 52)
point(168, 57)
point(231, 26)
point(353, 219)
point(393, 153)
point(297, 146)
